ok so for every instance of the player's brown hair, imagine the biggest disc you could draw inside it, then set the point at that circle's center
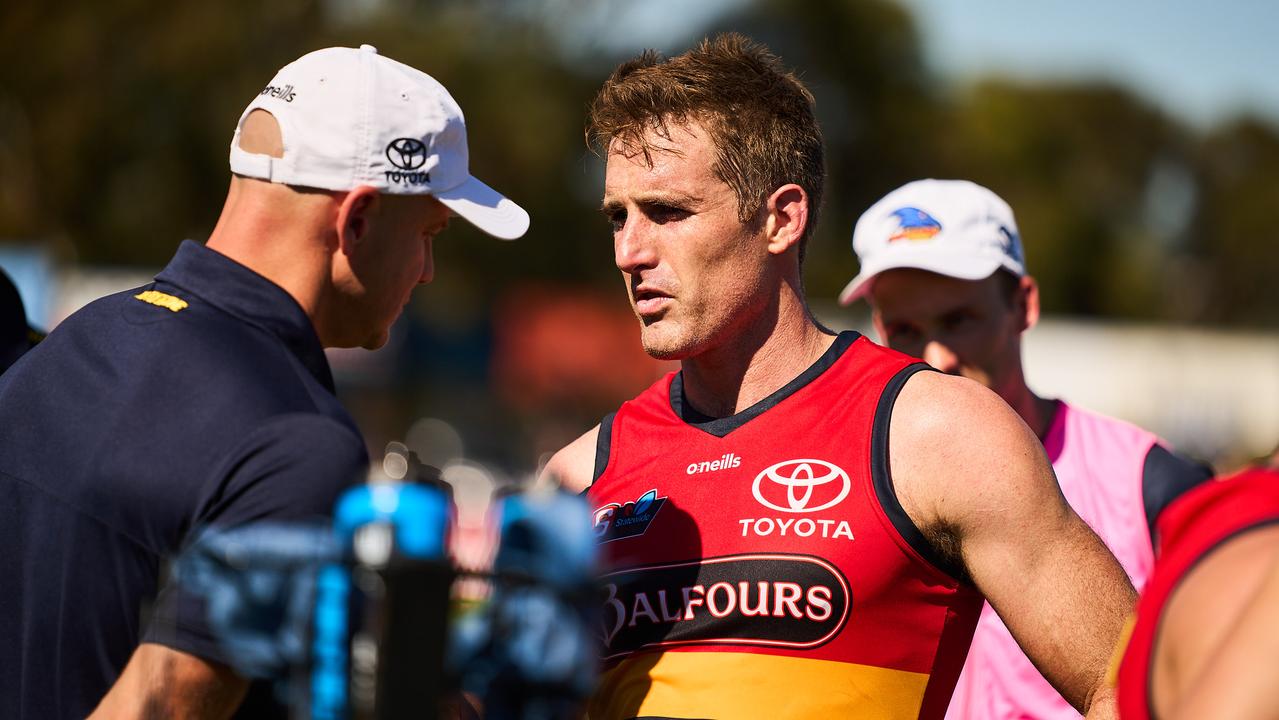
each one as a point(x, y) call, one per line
point(758, 114)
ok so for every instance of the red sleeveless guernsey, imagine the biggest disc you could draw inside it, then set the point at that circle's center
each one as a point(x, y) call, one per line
point(1190, 528)
point(760, 565)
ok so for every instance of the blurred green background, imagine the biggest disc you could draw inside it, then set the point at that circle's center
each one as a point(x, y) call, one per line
point(115, 119)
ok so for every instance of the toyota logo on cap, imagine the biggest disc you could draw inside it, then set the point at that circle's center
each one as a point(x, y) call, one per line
point(406, 153)
point(801, 486)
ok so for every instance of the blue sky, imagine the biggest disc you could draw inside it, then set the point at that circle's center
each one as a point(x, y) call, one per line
point(1201, 61)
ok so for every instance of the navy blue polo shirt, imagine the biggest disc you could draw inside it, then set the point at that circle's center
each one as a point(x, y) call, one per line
point(202, 399)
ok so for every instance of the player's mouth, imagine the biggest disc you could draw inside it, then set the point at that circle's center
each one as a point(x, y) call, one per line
point(649, 301)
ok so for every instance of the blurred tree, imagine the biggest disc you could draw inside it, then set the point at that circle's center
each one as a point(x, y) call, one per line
point(121, 113)
point(1074, 162)
point(1238, 231)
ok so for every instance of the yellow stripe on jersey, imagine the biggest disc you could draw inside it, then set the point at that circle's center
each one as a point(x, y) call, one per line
point(1121, 647)
point(727, 685)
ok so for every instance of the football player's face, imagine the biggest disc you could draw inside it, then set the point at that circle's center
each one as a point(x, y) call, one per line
point(694, 271)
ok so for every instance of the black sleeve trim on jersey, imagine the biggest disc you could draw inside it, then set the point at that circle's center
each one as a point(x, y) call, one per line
point(603, 442)
point(1165, 475)
point(721, 427)
point(882, 479)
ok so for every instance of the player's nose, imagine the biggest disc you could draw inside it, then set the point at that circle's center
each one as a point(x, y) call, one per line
point(941, 357)
point(632, 248)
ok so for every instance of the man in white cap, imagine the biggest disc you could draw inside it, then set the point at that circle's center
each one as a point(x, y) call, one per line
point(943, 270)
point(205, 399)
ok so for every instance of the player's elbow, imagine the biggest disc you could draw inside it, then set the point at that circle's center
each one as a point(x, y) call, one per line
point(160, 682)
point(558, 473)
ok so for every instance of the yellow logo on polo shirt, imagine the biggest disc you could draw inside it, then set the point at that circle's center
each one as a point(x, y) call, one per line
point(164, 300)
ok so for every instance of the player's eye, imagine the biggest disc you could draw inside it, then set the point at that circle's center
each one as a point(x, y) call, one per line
point(616, 219)
point(957, 321)
point(901, 333)
point(662, 214)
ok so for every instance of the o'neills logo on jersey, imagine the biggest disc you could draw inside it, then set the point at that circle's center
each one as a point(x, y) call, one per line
point(727, 462)
point(792, 601)
point(616, 521)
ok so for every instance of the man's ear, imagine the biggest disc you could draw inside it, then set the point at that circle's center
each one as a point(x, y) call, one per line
point(787, 217)
point(353, 217)
point(877, 320)
point(1028, 302)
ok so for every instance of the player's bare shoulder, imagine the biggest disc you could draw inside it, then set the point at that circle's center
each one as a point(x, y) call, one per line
point(573, 467)
point(955, 446)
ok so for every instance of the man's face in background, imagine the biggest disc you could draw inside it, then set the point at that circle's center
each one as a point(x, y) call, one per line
point(961, 327)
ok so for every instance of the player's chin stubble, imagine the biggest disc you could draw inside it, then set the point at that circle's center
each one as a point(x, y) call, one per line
point(665, 340)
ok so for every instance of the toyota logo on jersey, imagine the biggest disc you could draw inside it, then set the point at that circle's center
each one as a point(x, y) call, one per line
point(801, 486)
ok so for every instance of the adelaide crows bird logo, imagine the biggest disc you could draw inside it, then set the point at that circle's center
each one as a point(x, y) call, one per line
point(914, 224)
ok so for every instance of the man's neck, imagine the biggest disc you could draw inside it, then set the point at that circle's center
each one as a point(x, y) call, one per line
point(1038, 413)
point(734, 376)
point(266, 229)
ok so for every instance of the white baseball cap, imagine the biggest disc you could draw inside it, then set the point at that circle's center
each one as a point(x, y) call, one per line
point(950, 227)
point(353, 117)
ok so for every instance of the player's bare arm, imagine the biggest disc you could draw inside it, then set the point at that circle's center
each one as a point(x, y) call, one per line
point(975, 480)
point(573, 467)
point(160, 682)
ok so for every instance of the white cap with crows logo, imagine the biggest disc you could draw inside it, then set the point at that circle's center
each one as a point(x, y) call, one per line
point(950, 227)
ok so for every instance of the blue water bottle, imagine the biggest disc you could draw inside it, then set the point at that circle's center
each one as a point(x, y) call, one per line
point(380, 620)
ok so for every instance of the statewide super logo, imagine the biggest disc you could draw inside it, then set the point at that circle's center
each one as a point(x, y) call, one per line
point(775, 600)
point(801, 486)
point(914, 224)
point(616, 521)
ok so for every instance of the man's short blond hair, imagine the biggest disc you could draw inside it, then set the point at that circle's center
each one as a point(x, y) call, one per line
point(760, 117)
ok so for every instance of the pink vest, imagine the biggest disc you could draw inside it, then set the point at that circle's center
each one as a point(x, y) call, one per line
point(1098, 462)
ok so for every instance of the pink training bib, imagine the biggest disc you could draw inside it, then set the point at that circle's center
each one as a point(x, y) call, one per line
point(1099, 463)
